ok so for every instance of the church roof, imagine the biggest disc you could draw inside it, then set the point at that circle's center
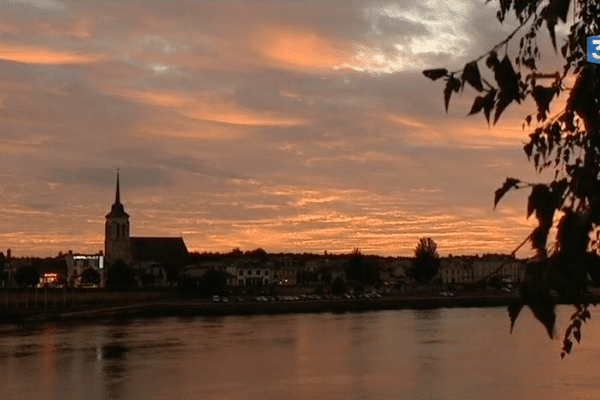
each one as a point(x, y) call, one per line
point(158, 249)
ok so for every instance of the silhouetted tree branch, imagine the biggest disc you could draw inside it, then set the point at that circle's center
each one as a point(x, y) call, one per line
point(566, 142)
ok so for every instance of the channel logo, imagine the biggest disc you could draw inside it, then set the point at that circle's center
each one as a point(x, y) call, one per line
point(593, 49)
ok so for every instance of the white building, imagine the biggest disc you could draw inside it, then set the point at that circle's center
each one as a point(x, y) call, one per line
point(77, 263)
point(475, 269)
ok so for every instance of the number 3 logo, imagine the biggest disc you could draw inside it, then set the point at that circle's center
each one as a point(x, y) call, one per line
point(597, 43)
point(593, 49)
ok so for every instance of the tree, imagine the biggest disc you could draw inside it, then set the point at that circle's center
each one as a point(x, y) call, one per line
point(90, 276)
point(120, 276)
point(236, 252)
point(212, 282)
point(186, 284)
point(27, 276)
point(148, 279)
point(338, 286)
point(427, 261)
point(566, 142)
point(171, 269)
point(360, 269)
point(256, 253)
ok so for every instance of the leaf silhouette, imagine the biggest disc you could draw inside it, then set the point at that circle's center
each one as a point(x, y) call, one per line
point(488, 104)
point(452, 85)
point(472, 76)
point(492, 60)
point(514, 308)
point(559, 8)
point(503, 102)
point(435, 74)
point(543, 96)
point(508, 82)
point(506, 186)
point(536, 294)
point(477, 105)
point(544, 201)
point(577, 335)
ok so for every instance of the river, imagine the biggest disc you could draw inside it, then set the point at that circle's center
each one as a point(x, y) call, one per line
point(405, 354)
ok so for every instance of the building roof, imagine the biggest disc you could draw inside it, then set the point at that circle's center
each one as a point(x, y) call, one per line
point(158, 249)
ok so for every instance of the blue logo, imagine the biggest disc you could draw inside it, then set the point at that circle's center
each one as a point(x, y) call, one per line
point(593, 49)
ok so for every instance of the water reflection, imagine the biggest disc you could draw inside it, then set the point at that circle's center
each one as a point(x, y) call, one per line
point(428, 365)
point(438, 354)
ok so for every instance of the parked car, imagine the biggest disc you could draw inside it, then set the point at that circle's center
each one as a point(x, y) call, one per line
point(215, 299)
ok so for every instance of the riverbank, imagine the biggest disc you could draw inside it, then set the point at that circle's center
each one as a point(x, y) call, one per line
point(156, 306)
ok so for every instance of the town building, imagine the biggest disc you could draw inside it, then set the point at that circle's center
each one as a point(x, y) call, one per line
point(479, 269)
point(78, 263)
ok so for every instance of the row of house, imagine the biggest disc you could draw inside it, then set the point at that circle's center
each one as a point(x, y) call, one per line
point(290, 271)
point(271, 270)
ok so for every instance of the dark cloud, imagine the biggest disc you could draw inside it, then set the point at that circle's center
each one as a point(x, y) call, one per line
point(32, 9)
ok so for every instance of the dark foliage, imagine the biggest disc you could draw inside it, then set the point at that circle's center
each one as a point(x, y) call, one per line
point(306, 277)
point(256, 253)
point(566, 141)
point(212, 282)
point(338, 286)
point(27, 276)
point(90, 276)
point(120, 276)
point(148, 279)
point(172, 270)
point(361, 269)
point(236, 252)
point(427, 261)
point(495, 282)
point(186, 284)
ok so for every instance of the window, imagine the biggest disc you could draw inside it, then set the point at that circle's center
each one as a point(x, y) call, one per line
point(257, 272)
point(241, 272)
point(266, 272)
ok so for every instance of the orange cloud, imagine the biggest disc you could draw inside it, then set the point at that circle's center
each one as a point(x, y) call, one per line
point(212, 107)
point(39, 55)
point(405, 120)
point(298, 48)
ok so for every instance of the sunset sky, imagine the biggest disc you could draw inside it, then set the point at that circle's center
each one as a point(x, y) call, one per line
point(295, 126)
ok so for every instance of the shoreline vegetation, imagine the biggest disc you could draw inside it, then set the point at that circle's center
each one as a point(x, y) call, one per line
point(147, 305)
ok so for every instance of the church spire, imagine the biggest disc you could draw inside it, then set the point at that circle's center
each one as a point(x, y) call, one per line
point(117, 209)
point(118, 195)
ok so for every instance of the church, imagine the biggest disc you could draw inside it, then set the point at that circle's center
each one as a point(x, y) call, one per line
point(138, 252)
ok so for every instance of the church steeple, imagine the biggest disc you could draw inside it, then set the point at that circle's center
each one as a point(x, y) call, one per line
point(117, 209)
point(118, 195)
point(116, 237)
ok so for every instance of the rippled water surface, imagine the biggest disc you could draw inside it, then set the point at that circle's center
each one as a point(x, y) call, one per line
point(408, 354)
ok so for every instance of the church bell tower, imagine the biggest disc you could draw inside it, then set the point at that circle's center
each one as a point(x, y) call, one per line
point(116, 235)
